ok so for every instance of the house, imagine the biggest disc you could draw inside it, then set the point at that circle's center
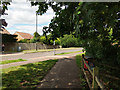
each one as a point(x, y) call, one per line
point(8, 40)
point(4, 31)
point(21, 35)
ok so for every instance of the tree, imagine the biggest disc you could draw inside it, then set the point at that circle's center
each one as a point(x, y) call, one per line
point(93, 22)
point(45, 31)
point(99, 29)
point(2, 12)
point(36, 38)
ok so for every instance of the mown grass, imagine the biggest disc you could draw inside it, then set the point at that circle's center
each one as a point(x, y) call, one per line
point(68, 52)
point(26, 76)
point(11, 61)
point(83, 81)
point(47, 50)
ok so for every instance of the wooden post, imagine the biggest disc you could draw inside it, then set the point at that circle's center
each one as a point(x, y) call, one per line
point(95, 73)
point(82, 61)
point(93, 82)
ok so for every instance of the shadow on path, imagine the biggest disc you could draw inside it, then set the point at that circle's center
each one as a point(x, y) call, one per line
point(65, 74)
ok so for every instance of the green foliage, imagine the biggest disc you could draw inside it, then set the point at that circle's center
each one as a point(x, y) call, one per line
point(26, 76)
point(58, 41)
point(24, 41)
point(4, 6)
point(43, 39)
point(49, 40)
point(36, 34)
point(33, 40)
point(97, 30)
point(36, 37)
point(69, 41)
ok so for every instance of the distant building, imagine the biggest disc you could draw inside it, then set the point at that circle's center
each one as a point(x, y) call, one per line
point(8, 40)
point(21, 35)
point(4, 31)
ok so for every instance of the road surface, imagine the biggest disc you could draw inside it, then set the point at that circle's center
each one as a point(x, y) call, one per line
point(32, 56)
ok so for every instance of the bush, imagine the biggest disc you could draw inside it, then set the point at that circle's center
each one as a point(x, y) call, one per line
point(105, 52)
point(24, 41)
point(69, 41)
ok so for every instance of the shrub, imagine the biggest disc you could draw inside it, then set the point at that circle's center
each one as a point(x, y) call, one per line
point(69, 41)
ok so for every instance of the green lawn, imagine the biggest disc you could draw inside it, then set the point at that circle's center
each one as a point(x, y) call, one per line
point(26, 76)
point(68, 52)
point(11, 61)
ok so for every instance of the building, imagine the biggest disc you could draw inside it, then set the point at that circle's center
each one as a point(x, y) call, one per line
point(21, 35)
point(7, 39)
point(4, 31)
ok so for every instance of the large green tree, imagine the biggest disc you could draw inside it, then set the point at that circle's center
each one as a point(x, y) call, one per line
point(96, 24)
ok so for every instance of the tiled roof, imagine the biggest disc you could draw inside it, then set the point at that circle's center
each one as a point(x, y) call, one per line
point(4, 31)
point(25, 35)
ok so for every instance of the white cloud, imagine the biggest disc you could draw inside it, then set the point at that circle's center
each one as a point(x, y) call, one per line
point(21, 12)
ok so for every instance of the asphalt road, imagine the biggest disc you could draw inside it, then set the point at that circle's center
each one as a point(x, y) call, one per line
point(31, 56)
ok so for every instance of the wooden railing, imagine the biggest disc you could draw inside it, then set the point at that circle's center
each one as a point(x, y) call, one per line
point(94, 72)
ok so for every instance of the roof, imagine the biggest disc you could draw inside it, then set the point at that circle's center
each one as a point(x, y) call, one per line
point(24, 35)
point(4, 31)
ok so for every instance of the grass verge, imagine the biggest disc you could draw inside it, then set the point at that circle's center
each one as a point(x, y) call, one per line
point(11, 61)
point(83, 81)
point(26, 76)
point(68, 52)
point(47, 50)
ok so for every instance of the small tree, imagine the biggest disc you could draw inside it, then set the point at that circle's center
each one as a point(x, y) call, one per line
point(36, 38)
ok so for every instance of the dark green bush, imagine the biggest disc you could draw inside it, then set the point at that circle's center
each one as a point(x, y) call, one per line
point(69, 41)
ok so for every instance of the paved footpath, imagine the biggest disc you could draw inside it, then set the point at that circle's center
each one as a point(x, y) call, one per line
point(65, 74)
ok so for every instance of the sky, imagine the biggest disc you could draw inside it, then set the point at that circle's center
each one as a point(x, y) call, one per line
point(22, 17)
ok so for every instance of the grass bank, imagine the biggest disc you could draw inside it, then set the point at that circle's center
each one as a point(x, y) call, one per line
point(68, 52)
point(83, 81)
point(11, 61)
point(26, 76)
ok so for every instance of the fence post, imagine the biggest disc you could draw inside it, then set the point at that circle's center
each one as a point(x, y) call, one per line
point(93, 82)
point(95, 73)
point(82, 61)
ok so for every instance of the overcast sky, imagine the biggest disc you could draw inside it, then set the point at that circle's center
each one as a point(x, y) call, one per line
point(21, 17)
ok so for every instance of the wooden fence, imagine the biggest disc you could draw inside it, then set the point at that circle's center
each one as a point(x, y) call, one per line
point(95, 73)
